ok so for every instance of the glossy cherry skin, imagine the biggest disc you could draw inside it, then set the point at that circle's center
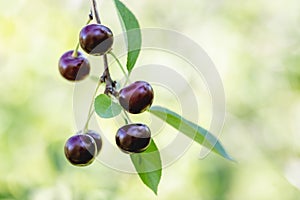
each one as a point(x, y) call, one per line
point(133, 138)
point(96, 136)
point(136, 97)
point(73, 68)
point(96, 39)
point(80, 150)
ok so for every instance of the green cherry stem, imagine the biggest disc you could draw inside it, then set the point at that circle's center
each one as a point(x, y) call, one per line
point(94, 78)
point(91, 110)
point(124, 114)
point(121, 67)
point(119, 63)
point(126, 117)
point(75, 52)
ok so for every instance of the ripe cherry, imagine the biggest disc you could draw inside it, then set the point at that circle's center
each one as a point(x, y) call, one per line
point(133, 138)
point(96, 136)
point(80, 149)
point(96, 39)
point(73, 68)
point(136, 97)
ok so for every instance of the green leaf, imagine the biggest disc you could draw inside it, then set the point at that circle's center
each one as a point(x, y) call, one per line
point(148, 166)
point(105, 107)
point(131, 25)
point(195, 132)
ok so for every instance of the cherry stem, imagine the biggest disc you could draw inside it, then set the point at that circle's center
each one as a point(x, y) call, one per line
point(121, 67)
point(94, 78)
point(119, 63)
point(126, 117)
point(75, 52)
point(96, 11)
point(91, 110)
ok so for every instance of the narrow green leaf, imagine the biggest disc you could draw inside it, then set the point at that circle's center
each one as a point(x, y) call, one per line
point(148, 165)
point(131, 25)
point(195, 132)
point(105, 107)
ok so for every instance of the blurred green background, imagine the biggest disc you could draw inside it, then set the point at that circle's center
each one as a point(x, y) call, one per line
point(256, 48)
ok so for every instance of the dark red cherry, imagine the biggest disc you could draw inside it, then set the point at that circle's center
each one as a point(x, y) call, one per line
point(133, 138)
point(80, 150)
point(96, 39)
point(96, 136)
point(74, 68)
point(136, 97)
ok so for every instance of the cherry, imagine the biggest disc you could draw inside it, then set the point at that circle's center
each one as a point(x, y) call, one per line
point(73, 68)
point(80, 149)
point(133, 138)
point(136, 97)
point(97, 139)
point(96, 39)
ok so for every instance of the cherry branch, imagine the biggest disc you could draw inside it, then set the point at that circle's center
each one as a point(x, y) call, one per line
point(96, 11)
point(105, 78)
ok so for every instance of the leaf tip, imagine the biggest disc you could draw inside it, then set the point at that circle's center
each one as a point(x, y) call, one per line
point(228, 157)
point(154, 189)
point(231, 159)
